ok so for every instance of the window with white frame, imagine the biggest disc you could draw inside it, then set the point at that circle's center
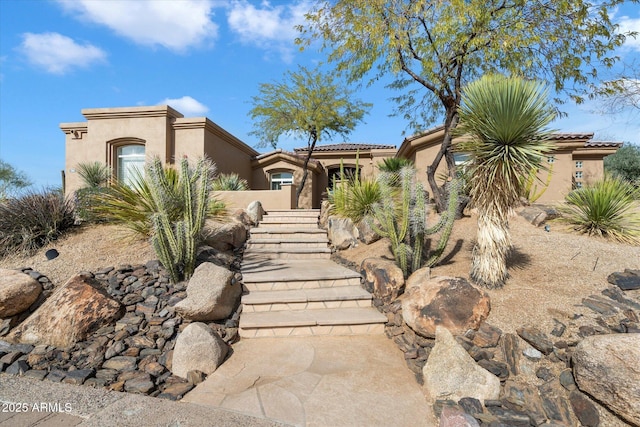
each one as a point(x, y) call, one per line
point(551, 159)
point(130, 162)
point(578, 164)
point(578, 174)
point(578, 184)
point(280, 178)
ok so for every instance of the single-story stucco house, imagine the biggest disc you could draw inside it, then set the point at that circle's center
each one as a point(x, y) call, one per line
point(124, 138)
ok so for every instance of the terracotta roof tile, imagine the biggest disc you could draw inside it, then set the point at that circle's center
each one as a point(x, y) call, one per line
point(565, 136)
point(348, 146)
point(603, 144)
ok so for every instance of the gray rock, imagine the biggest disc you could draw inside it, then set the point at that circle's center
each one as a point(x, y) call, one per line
point(18, 367)
point(211, 295)
point(255, 211)
point(451, 302)
point(342, 232)
point(536, 338)
point(450, 372)
point(365, 232)
point(532, 353)
point(224, 236)
point(584, 409)
point(17, 292)
point(627, 280)
point(534, 215)
point(509, 344)
point(199, 348)
point(141, 383)
point(74, 311)
point(121, 363)
point(606, 367)
point(454, 416)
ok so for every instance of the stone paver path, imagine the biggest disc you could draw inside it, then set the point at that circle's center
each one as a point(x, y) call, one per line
point(313, 351)
point(318, 381)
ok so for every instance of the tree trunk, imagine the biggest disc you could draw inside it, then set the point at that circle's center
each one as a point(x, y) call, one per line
point(493, 243)
point(439, 192)
point(313, 138)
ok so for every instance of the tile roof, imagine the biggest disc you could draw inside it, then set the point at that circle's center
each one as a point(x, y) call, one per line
point(348, 146)
point(566, 136)
point(603, 144)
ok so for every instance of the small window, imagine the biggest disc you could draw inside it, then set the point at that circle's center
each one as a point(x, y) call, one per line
point(578, 184)
point(579, 165)
point(461, 159)
point(280, 178)
point(578, 174)
point(130, 162)
point(551, 159)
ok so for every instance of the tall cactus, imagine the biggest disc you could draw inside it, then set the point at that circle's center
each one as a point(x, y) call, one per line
point(175, 242)
point(401, 217)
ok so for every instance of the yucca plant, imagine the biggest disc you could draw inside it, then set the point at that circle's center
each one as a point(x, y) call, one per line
point(230, 182)
point(175, 240)
point(355, 198)
point(94, 174)
point(33, 219)
point(401, 216)
point(505, 120)
point(607, 208)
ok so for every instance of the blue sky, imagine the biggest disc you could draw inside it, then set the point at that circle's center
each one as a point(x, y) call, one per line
point(204, 58)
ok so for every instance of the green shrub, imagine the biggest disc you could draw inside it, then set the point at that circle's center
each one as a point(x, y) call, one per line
point(33, 220)
point(355, 198)
point(230, 182)
point(607, 208)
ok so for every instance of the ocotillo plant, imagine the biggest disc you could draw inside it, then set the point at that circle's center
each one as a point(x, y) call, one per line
point(175, 242)
point(401, 216)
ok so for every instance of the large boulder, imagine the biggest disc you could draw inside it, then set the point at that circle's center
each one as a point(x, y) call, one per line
point(366, 234)
point(341, 232)
point(608, 368)
point(241, 216)
point(17, 292)
point(71, 314)
point(382, 277)
point(224, 236)
point(255, 211)
point(212, 294)
point(451, 302)
point(450, 373)
point(198, 348)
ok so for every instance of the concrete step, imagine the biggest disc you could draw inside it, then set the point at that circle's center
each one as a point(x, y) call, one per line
point(287, 233)
point(278, 222)
point(306, 299)
point(257, 255)
point(300, 242)
point(330, 321)
point(295, 213)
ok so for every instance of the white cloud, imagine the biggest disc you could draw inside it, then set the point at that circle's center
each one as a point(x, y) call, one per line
point(268, 27)
point(59, 54)
point(629, 24)
point(175, 25)
point(186, 105)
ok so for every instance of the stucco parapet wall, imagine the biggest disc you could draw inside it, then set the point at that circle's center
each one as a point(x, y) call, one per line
point(131, 112)
point(77, 129)
point(210, 126)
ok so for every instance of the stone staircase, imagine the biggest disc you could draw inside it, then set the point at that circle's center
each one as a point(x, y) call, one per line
point(292, 288)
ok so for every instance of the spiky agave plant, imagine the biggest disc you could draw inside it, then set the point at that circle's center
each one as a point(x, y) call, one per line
point(505, 119)
point(230, 182)
point(94, 174)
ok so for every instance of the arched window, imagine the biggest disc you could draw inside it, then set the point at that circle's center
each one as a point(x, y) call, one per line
point(130, 161)
point(279, 178)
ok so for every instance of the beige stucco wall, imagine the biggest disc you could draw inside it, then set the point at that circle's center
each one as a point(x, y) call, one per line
point(270, 199)
point(95, 140)
point(263, 170)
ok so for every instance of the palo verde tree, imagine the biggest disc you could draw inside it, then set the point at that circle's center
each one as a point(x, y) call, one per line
point(432, 49)
point(306, 104)
point(11, 179)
